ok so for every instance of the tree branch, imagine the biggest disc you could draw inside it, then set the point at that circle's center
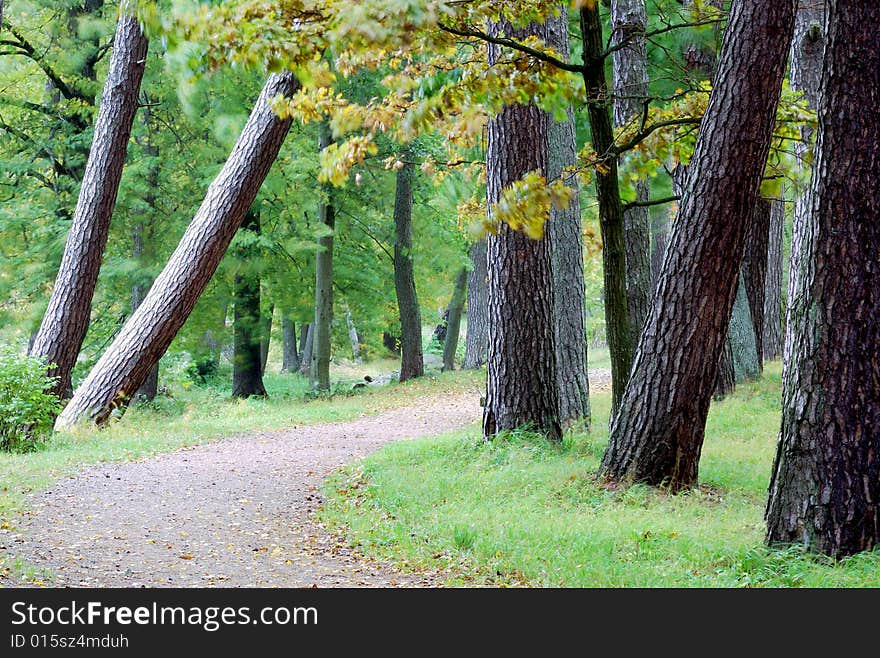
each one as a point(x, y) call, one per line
point(650, 202)
point(644, 134)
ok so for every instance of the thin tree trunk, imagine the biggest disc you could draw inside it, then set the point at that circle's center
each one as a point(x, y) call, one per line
point(411, 359)
point(628, 20)
point(657, 434)
point(741, 336)
point(320, 357)
point(772, 339)
point(754, 270)
point(266, 336)
point(150, 330)
point(567, 256)
point(456, 304)
point(477, 337)
point(290, 353)
point(67, 317)
point(611, 224)
point(353, 337)
point(247, 366)
point(725, 380)
point(521, 383)
point(825, 488)
point(308, 347)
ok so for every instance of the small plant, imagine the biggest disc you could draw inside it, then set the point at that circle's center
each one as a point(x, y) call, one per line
point(202, 371)
point(463, 537)
point(27, 409)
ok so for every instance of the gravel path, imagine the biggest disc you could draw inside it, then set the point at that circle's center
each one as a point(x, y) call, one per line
point(234, 513)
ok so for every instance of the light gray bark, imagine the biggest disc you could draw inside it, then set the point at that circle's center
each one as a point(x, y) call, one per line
point(477, 337)
point(321, 346)
point(290, 353)
point(453, 326)
point(773, 330)
point(353, 339)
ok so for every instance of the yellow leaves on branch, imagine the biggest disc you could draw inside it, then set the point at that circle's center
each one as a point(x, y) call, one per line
point(525, 205)
point(338, 159)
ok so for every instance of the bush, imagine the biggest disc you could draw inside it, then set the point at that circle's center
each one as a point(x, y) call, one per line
point(203, 371)
point(27, 410)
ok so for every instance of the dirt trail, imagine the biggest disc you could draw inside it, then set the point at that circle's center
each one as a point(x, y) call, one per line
point(234, 513)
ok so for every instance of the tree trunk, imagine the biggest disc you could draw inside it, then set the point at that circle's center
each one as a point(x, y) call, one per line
point(247, 366)
point(807, 47)
point(456, 304)
point(611, 225)
point(567, 258)
point(353, 337)
point(266, 336)
point(825, 489)
point(659, 238)
point(741, 336)
point(67, 317)
point(148, 390)
point(772, 338)
point(289, 353)
point(628, 21)
point(725, 380)
point(307, 347)
point(321, 342)
point(657, 434)
point(477, 336)
point(754, 269)
point(411, 359)
point(522, 386)
point(149, 331)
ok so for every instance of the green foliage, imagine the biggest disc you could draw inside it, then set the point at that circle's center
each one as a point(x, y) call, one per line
point(27, 410)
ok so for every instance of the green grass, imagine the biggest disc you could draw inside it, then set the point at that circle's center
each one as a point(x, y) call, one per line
point(522, 511)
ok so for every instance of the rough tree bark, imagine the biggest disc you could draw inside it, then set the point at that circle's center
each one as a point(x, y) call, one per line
point(630, 65)
point(411, 359)
point(617, 326)
point(247, 366)
point(567, 257)
point(825, 488)
point(319, 368)
point(149, 331)
point(741, 336)
point(754, 269)
point(289, 353)
point(772, 338)
point(453, 326)
point(66, 320)
point(521, 383)
point(477, 337)
point(657, 434)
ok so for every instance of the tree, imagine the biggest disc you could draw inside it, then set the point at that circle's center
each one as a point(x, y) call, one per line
point(453, 323)
point(321, 343)
point(411, 359)
point(657, 433)
point(66, 320)
point(521, 383)
point(247, 362)
point(772, 339)
point(477, 337)
point(148, 332)
point(290, 357)
point(825, 486)
point(754, 270)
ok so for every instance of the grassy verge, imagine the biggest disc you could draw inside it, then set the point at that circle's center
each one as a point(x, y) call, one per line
point(522, 511)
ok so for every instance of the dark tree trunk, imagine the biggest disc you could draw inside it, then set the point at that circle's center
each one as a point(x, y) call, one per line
point(247, 365)
point(289, 354)
point(825, 489)
point(321, 342)
point(617, 325)
point(307, 347)
point(266, 336)
point(149, 331)
point(725, 380)
point(522, 386)
point(353, 338)
point(567, 258)
point(439, 333)
point(755, 272)
point(67, 317)
point(628, 21)
point(456, 304)
point(657, 434)
point(772, 338)
point(477, 336)
point(411, 359)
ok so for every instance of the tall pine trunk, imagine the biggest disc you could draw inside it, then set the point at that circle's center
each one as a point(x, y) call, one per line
point(477, 336)
point(149, 331)
point(453, 325)
point(247, 366)
point(521, 383)
point(825, 488)
point(773, 330)
point(754, 269)
point(411, 359)
point(321, 340)
point(657, 433)
point(66, 320)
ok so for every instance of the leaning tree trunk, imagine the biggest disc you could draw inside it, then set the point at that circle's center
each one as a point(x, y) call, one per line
point(477, 336)
point(825, 489)
point(611, 225)
point(657, 434)
point(628, 21)
point(321, 341)
point(289, 353)
point(247, 362)
point(150, 330)
point(754, 269)
point(772, 338)
point(522, 385)
point(453, 325)
point(567, 255)
point(66, 319)
point(411, 359)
